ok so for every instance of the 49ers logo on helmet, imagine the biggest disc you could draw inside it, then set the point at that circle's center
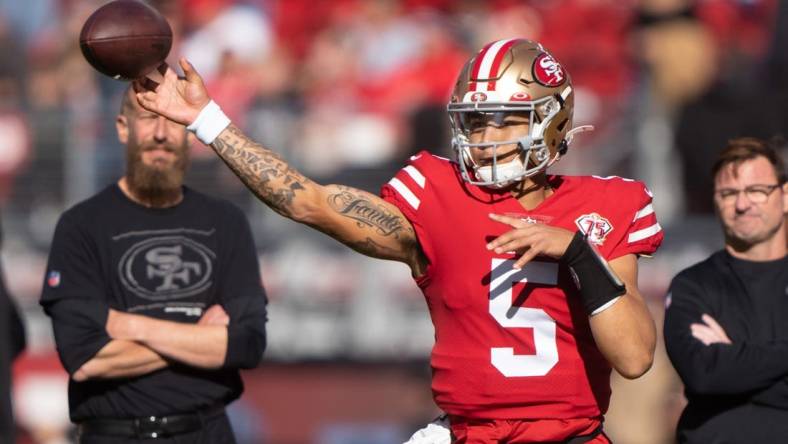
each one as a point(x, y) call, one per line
point(478, 97)
point(547, 71)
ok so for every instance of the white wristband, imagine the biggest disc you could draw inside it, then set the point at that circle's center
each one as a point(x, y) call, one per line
point(209, 123)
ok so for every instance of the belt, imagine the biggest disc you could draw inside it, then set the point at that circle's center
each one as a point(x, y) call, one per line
point(149, 426)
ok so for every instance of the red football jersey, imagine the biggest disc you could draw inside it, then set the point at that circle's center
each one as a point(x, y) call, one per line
point(515, 344)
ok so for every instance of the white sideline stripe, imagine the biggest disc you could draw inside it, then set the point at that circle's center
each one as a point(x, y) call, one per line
point(645, 211)
point(405, 192)
point(415, 175)
point(487, 61)
point(644, 233)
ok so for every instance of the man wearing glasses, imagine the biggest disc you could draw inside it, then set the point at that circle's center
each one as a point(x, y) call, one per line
point(726, 323)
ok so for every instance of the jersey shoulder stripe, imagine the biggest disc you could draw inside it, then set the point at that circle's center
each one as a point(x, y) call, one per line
point(412, 181)
point(644, 233)
point(643, 212)
point(416, 176)
point(405, 192)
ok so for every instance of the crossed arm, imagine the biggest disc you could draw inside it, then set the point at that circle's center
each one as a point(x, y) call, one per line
point(706, 359)
point(141, 345)
point(120, 359)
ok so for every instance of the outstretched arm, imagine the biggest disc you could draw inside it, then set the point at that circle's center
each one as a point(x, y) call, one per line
point(361, 220)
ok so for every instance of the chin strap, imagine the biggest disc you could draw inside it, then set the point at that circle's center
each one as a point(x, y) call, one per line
point(570, 135)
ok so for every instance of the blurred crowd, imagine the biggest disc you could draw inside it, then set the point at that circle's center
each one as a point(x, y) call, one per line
point(348, 89)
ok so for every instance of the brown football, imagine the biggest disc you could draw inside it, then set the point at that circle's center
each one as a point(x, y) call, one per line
point(125, 39)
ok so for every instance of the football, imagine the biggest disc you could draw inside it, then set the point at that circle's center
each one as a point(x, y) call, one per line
point(125, 39)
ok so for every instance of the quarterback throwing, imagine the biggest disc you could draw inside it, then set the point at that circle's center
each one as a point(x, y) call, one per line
point(530, 278)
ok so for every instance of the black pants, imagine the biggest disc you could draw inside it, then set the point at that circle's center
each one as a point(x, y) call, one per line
point(216, 430)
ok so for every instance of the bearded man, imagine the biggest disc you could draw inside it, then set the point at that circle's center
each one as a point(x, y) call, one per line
point(155, 296)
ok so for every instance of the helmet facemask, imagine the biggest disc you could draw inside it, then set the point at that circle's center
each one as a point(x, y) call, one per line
point(511, 76)
point(534, 153)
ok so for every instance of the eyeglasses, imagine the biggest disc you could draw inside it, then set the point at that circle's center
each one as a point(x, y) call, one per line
point(757, 194)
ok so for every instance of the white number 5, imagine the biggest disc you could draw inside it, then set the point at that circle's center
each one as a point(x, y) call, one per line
point(504, 358)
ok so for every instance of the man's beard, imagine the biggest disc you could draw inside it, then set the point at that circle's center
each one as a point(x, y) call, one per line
point(157, 186)
point(743, 241)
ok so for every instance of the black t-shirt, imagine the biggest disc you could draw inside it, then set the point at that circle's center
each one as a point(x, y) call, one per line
point(171, 263)
point(737, 393)
point(767, 292)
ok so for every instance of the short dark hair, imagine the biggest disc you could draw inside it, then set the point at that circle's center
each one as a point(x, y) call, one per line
point(747, 148)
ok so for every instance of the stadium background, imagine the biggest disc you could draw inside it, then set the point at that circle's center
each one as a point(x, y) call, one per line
point(346, 90)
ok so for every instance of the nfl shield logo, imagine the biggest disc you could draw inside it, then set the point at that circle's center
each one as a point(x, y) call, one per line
point(53, 278)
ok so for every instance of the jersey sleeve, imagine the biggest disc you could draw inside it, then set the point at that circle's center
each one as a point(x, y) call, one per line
point(644, 234)
point(409, 190)
point(242, 294)
point(406, 190)
point(73, 295)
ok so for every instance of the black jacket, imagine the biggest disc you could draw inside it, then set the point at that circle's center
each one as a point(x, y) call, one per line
point(736, 392)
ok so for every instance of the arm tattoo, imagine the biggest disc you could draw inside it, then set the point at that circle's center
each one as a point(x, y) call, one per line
point(379, 223)
point(374, 249)
point(366, 213)
point(416, 260)
point(266, 174)
point(278, 185)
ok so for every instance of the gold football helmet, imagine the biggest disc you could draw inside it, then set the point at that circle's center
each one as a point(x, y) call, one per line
point(512, 76)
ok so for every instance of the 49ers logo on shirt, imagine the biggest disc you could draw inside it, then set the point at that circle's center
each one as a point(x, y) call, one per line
point(547, 71)
point(595, 227)
point(166, 268)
